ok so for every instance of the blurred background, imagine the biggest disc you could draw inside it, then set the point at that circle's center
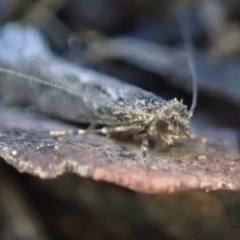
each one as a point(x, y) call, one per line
point(140, 42)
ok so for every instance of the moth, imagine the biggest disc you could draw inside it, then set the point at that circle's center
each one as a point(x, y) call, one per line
point(85, 96)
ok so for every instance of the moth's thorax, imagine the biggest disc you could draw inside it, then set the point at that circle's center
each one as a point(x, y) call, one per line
point(142, 112)
point(172, 121)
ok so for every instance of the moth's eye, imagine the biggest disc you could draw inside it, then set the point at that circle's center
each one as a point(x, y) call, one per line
point(161, 126)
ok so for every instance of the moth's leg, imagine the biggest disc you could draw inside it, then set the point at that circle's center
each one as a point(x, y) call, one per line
point(144, 146)
point(62, 133)
point(130, 130)
point(105, 130)
point(92, 126)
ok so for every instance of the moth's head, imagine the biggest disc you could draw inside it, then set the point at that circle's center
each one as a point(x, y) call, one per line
point(172, 122)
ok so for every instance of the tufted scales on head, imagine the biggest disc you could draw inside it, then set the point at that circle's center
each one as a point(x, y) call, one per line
point(177, 119)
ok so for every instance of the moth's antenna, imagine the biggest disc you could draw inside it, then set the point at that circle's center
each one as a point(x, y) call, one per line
point(186, 35)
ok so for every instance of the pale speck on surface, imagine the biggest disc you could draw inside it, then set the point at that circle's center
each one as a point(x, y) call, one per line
point(56, 147)
point(202, 157)
point(14, 152)
point(204, 140)
point(154, 167)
